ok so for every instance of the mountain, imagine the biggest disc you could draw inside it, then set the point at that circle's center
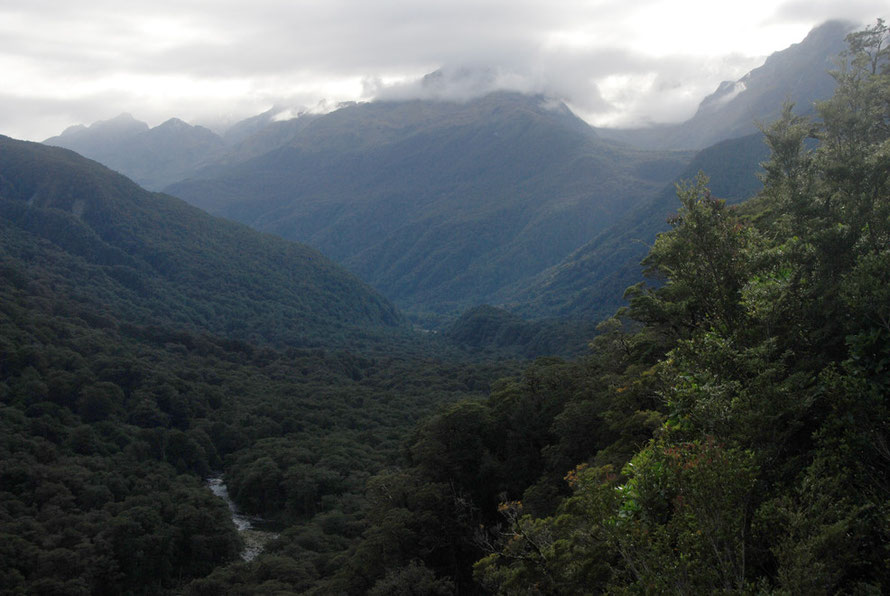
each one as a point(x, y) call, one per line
point(439, 205)
point(99, 136)
point(443, 205)
point(152, 157)
point(156, 260)
point(590, 282)
point(248, 127)
point(799, 73)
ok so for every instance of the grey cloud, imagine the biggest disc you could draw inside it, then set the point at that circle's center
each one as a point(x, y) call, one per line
point(275, 50)
point(862, 12)
point(39, 118)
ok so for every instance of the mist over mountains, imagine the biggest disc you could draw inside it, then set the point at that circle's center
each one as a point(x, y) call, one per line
point(799, 74)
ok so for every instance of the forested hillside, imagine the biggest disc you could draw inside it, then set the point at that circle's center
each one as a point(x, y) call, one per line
point(161, 261)
point(590, 283)
point(728, 432)
point(144, 344)
point(436, 204)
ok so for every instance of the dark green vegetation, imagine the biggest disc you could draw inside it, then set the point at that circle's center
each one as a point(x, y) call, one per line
point(162, 262)
point(143, 344)
point(492, 330)
point(728, 432)
point(438, 205)
point(588, 285)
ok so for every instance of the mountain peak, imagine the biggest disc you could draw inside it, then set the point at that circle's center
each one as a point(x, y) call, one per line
point(123, 117)
point(174, 123)
point(122, 125)
point(829, 30)
point(799, 72)
point(124, 122)
point(458, 83)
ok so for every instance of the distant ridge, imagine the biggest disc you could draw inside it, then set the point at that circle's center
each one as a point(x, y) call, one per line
point(152, 157)
point(446, 205)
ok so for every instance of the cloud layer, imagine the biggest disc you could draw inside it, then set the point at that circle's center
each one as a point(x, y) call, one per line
point(614, 62)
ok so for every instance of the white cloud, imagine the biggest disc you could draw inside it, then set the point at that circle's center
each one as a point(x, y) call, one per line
point(613, 61)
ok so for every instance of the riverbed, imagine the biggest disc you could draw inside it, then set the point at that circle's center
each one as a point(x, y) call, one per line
point(255, 539)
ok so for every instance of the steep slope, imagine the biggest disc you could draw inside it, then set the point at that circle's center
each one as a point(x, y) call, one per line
point(438, 205)
point(798, 73)
point(590, 283)
point(153, 157)
point(155, 260)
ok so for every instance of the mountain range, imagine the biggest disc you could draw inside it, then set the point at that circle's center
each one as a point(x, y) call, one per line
point(438, 205)
point(152, 157)
point(506, 199)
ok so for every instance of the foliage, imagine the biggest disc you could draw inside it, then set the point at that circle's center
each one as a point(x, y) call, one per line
point(761, 354)
point(490, 329)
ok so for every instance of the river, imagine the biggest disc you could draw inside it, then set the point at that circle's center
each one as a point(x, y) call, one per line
point(255, 539)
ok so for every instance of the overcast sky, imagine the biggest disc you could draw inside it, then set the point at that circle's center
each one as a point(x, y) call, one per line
point(615, 62)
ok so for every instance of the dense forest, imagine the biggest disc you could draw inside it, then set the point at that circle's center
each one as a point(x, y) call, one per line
point(727, 431)
point(145, 345)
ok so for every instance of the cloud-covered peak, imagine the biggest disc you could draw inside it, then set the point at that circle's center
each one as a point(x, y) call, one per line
point(119, 127)
point(612, 61)
point(452, 83)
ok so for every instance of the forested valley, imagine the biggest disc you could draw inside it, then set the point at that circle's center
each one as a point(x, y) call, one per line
point(725, 432)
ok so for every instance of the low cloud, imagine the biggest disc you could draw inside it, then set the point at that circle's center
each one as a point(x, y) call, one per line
point(449, 83)
point(613, 61)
